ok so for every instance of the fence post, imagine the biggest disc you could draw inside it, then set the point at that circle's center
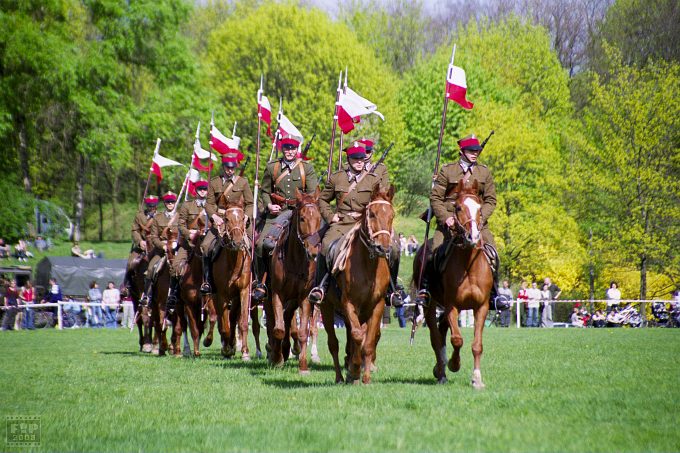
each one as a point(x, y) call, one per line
point(59, 315)
point(518, 314)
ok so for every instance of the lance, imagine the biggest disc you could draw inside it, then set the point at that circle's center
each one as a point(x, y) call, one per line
point(206, 227)
point(342, 134)
point(148, 180)
point(382, 158)
point(429, 209)
point(243, 167)
point(304, 152)
point(335, 124)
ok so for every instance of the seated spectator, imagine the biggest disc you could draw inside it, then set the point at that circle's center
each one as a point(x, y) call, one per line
point(94, 296)
point(111, 300)
point(599, 319)
point(72, 311)
point(21, 250)
point(411, 245)
point(4, 249)
point(41, 244)
point(576, 319)
point(87, 254)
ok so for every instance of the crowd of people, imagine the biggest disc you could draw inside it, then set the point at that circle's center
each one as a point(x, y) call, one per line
point(20, 250)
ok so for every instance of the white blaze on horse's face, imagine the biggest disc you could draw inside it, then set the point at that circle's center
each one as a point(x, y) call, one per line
point(473, 210)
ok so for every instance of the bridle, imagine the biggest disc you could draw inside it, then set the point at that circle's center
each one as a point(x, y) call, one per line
point(314, 239)
point(228, 233)
point(460, 228)
point(368, 236)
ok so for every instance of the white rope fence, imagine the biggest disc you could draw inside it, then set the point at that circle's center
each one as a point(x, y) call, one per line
point(60, 307)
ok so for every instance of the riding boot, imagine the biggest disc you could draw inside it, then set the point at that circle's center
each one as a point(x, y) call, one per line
point(317, 293)
point(127, 285)
point(393, 293)
point(423, 296)
point(259, 287)
point(205, 286)
point(496, 264)
point(145, 300)
point(172, 296)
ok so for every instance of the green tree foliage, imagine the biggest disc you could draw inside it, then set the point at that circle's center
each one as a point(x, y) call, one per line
point(632, 195)
point(300, 53)
point(520, 91)
point(15, 210)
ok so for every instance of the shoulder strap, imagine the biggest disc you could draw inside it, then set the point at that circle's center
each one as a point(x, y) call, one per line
point(303, 175)
point(277, 169)
point(349, 190)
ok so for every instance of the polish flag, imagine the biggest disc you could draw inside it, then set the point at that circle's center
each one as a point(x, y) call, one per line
point(160, 162)
point(352, 107)
point(194, 176)
point(222, 144)
point(456, 87)
point(201, 154)
point(287, 128)
point(264, 112)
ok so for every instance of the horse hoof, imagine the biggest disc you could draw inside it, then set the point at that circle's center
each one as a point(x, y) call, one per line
point(296, 349)
point(197, 354)
point(305, 373)
point(277, 365)
point(258, 354)
point(355, 382)
point(207, 342)
point(156, 351)
point(245, 357)
point(453, 365)
point(477, 380)
point(147, 348)
point(442, 380)
point(316, 360)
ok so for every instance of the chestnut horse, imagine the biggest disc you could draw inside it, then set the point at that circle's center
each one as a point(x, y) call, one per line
point(293, 266)
point(464, 283)
point(362, 286)
point(232, 276)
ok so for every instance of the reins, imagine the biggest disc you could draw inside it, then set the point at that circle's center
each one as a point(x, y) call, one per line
point(374, 249)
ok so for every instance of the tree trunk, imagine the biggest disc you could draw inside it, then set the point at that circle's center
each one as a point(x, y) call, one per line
point(23, 156)
point(80, 198)
point(101, 218)
point(114, 208)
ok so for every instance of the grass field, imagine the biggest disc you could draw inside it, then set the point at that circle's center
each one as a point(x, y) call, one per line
point(547, 390)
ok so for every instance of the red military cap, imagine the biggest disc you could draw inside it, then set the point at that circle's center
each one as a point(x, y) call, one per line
point(231, 159)
point(356, 150)
point(151, 200)
point(289, 139)
point(469, 143)
point(169, 197)
point(201, 184)
point(368, 143)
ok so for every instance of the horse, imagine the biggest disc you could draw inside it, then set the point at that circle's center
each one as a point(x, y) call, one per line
point(293, 266)
point(142, 315)
point(232, 276)
point(465, 283)
point(358, 291)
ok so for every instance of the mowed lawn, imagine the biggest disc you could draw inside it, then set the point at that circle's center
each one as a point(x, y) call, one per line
point(547, 390)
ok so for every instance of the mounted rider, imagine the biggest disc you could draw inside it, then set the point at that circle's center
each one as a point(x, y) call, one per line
point(281, 179)
point(187, 216)
point(231, 187)
point(158, 239)
point(141, 226)
point(468, 170)
point(351, 189)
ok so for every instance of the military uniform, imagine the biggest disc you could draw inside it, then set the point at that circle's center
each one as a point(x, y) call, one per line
point(187, 214)
point(157, 237)
point(443, 207)
point(140, 230)
point(279, 182)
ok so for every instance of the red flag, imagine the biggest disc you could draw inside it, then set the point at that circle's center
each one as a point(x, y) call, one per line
point(351, 107)
point(160, 162)
point(264, 111)
point(456, 87)
point(196, 163)
point(222, 144)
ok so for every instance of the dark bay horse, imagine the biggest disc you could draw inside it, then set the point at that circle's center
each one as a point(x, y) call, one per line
point(232, 276)
point(464, 284)
point(362, 286)
point(142, 314)
point(293, 266)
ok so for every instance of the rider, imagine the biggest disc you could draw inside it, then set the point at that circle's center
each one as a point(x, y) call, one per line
point(351, 188)
point(466, 169)
point(232, 187)
point(280, 180)
point(140, 229)
point(158, 240)
point(381, 171)
point(187, 214)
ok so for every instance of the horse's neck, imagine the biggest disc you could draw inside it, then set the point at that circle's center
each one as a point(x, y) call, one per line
point(295, 250)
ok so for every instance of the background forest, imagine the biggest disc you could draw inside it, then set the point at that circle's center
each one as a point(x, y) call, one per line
point(583, 95)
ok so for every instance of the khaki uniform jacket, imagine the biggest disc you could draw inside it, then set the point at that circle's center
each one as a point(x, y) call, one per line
point(448, 177)
point(187, 213)
point(382, 174)
point(287, 185)
point(241, 187)
point(138, 233)
point(157, 236)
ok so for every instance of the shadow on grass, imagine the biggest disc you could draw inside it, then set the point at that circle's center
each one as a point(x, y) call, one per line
point(296, 384)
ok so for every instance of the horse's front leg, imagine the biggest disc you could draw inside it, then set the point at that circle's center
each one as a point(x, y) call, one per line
point(303, 333)
point(437, 342)
point(243, 321)
point(357, 336)
point(456, 340)
point(477, 348)
point(314, 333)
point(256, 330)
point(223, 325)
point(278, 329)
point(370, 344)
point(192, 313)
point(212, 319)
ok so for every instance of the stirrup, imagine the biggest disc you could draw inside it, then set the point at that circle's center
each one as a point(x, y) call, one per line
point(205, 288)
point(396, 300)
point(423, 297)
point(259, 291)
point(144, 301)
point(316, 295)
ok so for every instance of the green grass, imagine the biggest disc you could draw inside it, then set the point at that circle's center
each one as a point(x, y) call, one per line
point(547, 390)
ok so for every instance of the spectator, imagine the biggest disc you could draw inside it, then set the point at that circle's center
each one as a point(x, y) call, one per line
point(555, 292)
point(576, 319)
point(27, 296)
point(613, 296)
point(4, 249)
point(411, 245)
point(399, 310)
point(72, 311)
point(534, 296)
point(402, 243)
point(41, 244)
point(128, 313)
point(11, 296)
point(523, 297)
point(546, 315)
point(94, 296)
point(87, 254)
point(21, 250)
point(599, 319)
point(505, 313)
point(111, 299)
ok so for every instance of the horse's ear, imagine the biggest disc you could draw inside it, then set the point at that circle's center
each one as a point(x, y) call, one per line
point(390, 193)
point(376, 190)
point(475, 186)
point(317, 193)
point(459, 186)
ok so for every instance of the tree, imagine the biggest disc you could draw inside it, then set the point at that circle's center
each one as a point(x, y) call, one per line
point(633, 163)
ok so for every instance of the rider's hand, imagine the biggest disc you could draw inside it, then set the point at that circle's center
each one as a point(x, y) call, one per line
point(449, 222)
point(142, 245)
point(274, 208)
point(336, 218)
point(192, 234)
point(217, 220)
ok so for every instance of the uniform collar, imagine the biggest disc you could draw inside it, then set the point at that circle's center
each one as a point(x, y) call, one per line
point(226, 178)
point(200, 203)
point(466, 166)
point(290, 165)
point(351, 176)
point(168, 214)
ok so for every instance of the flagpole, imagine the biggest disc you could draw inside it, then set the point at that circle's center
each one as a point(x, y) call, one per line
point(256, 187)
point(342, 134)
point(148, 180)
point(335, 123)
point(429, 209)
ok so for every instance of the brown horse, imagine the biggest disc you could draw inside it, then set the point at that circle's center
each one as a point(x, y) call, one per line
point(293, 266)
point(465, 283)
point(362, 286)
point(161, 288)
point(232, 276)
point(142, 314)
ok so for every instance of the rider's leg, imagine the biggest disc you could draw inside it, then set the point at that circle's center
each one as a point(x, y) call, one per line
point(492, 253)
point(206, 246)
point(317, 293)
point(175, 276)
point(393, 294)
point(423, 296)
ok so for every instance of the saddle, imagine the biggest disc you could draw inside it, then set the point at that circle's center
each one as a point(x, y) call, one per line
point(339, 251)
point(441, 254)
point(281, 224)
